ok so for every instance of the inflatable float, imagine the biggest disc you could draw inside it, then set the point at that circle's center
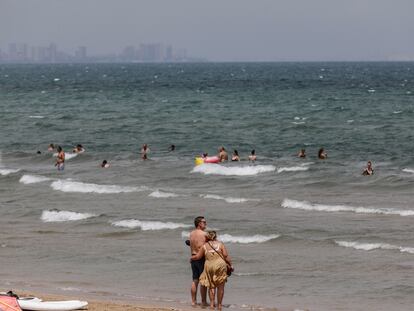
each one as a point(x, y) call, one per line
point(202, 160)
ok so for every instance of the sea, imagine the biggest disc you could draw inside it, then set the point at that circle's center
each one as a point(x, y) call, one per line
point(303, 233)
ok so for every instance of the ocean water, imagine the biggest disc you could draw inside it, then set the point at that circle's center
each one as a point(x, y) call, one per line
point(303, 233)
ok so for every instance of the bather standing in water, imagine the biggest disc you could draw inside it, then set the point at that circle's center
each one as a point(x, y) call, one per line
point(60, 159)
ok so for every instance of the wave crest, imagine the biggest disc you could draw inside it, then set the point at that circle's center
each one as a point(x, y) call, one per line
point(148, 225)
point(75, 186)
point(217, 169)
point(373, 246)
point(228, 199)
point(303, 205)
point(68, 155)
point(8, 171)
point(32, 179)
point(292, 169)
point(248, 239)
point(408, 170)
point(61, 216)
point(161, 194)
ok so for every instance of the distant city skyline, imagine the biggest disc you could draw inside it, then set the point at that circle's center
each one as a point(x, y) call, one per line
point(231, 30)
point(51, 53)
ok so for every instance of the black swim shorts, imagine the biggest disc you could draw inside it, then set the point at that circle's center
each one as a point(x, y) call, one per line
point(197, 266)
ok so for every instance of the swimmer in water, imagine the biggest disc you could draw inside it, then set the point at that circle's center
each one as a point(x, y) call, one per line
point(60, 159)
point(171, 148)
point(368, 170)
point(144, 151)
point(252, 156)
point(223, 156)
point(235, 156)
point(105, 164)
point(302, 153)
point(78, 149)
point(51, 147)
point(322, 154)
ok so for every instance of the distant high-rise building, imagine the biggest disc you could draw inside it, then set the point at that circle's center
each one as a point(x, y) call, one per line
point(81, 53)
point(128, 53)
point(52, 53)
point(168, 53)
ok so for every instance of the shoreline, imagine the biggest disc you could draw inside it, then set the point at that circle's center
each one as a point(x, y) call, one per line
point(98, 302)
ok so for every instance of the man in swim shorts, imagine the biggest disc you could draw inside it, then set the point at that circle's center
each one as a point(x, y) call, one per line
point(197, 240)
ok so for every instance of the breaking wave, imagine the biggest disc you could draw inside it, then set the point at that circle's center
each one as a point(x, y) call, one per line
point(216, 169)
point(408, 170)
point(61, 216)
point(257, 238)
point(8, 171)
point(32, 179)
point(148, 225)
point(68, 155)
point(292, 169)
point(373, 246)
point(228, 199)
point(75, 186)
point(303, 205)
point(160, 194)
point(248, 239)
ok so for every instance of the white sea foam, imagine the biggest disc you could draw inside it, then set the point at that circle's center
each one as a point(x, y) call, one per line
point(397, 112)
point(292, 169)
point(257, 238)
point(61, 216)
point(227, 238)
point(36, 117)
point(303, 205)
point(160, 194)
point(373, 246)
point(32, 179)
point(8, 171)
point(68, 155)
point(217, 169)
point(148, 225)
point(228, 199)
point(76, 186)
point(408, 170)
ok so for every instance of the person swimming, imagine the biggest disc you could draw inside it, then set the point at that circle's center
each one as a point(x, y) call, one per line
point(235, 156)
point(322, 154)
point(368, 170)
point(51, 147)
point(60, 159)
point(252, 156)
point(302, 153)
point(105, 164)
point(171, 148)
point(78, 149)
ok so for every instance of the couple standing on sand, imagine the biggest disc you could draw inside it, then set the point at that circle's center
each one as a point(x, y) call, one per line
point(209, 261)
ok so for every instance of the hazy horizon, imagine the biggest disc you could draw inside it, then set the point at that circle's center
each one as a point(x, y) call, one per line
point(233, 30)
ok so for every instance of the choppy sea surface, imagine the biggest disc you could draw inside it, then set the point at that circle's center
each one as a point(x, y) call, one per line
point(303, 233)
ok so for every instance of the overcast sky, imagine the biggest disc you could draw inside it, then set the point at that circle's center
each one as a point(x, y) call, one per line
point(221, 30)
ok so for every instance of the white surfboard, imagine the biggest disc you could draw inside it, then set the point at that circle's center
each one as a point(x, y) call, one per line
point(39, 305)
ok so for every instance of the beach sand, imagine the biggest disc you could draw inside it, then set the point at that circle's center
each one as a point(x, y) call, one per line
point(102, 305)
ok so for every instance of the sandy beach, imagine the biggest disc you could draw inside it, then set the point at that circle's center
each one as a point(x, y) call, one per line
point(101, 305)
point(111, 304)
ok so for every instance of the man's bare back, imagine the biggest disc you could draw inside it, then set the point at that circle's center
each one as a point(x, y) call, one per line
point(197, 240)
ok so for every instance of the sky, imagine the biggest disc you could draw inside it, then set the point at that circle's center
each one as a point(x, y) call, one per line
point(219, 30)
